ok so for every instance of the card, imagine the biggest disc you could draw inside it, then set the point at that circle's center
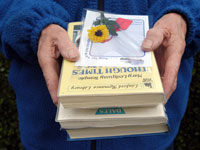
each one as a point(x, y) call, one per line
point(113, 40)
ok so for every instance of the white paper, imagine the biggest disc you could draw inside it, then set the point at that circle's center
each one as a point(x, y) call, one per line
point(122, 50)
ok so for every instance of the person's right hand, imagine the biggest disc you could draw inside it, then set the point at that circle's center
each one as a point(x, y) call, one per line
point(54, 41)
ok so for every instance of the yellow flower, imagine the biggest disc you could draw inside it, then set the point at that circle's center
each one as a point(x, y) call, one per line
point(98, 34)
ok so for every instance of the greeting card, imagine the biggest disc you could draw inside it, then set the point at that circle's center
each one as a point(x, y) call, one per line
point(113, 40)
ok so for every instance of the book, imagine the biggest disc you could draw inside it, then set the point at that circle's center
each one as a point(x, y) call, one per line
point(95, 87)
point(116, 132)
point(75, 118)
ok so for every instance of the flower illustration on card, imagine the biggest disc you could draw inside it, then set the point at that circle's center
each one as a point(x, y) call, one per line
point(104, 29)
point(99, 33)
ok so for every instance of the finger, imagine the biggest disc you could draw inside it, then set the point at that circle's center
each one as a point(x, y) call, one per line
point(51, 76)
point(154, 38)
point(67, 48)
point(170, 74)
point(50, 68)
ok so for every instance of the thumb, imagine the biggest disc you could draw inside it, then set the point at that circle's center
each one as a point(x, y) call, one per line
point(154, 38)
point(67, 48)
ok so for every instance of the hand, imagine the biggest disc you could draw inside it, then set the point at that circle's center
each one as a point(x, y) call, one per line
point(167, 39)
point(54, 41)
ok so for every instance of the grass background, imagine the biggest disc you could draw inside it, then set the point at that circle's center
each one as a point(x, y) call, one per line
point(187, 139)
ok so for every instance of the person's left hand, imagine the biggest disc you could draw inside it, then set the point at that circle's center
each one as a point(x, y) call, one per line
point(167, 39)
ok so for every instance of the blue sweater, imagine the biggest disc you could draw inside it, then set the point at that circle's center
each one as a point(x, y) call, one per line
point(21, 22)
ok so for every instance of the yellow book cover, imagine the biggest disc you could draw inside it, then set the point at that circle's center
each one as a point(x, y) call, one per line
point(95, 87)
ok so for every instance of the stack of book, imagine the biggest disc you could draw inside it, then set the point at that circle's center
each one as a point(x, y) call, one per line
point(112, 122)
point(104, 102)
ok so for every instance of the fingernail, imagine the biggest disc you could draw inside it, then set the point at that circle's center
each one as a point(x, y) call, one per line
point(72, 54)
point(147, 44)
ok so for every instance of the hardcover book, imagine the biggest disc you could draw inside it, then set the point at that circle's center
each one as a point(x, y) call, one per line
point(106, 86)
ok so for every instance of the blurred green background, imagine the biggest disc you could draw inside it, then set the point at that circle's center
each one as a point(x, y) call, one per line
point(187, 139)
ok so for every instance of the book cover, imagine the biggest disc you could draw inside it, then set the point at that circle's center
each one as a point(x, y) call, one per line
point(89, 87)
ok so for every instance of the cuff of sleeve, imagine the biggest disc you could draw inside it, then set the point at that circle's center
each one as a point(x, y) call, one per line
point(40, 26)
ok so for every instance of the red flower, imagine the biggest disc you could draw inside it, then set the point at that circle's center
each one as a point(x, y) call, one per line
point(123, 23)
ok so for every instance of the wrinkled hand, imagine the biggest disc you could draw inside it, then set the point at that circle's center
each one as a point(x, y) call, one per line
point(54, 41)
point(167, 39)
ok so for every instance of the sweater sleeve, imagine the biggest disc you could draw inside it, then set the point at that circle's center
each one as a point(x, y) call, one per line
point(21, 22)
point(190, 10)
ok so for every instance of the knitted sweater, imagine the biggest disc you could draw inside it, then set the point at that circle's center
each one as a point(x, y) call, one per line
point(21, 22)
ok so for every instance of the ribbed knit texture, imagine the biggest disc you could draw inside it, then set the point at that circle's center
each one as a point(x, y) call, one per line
point(21, 22)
